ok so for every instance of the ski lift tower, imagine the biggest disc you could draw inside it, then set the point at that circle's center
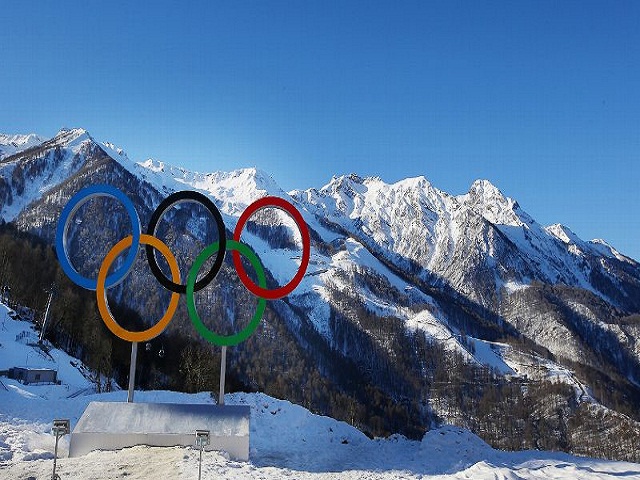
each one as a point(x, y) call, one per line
point(52, 291)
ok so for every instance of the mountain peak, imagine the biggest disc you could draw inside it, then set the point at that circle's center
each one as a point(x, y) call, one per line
point(355, 178)
point(341, 182)
point(563, 233)
point(608, 250)
point(65, 131)
point(114, 151)
point(420, 182)
point(155, 165)
point(71, 136)
point(29, 139)
point(493, 205)
point(251, 177)
point(257, 178)
point(486, 189)
point(254, 172)
point(351, 182)
point(11, 144)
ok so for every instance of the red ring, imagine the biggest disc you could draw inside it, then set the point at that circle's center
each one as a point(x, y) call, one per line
point(306, 248)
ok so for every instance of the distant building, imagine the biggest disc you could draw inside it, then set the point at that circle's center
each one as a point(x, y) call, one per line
point(27, 375)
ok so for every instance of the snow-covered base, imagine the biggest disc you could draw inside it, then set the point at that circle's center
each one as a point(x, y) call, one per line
point(287, 441)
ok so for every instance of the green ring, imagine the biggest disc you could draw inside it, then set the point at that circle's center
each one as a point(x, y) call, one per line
point(242, 335)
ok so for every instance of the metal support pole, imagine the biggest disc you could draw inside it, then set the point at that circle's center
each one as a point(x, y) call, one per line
point(54, 476)
point(223, 372)
point(132, 370)
point(52, 291)
point(60, 429)
point(202, 439)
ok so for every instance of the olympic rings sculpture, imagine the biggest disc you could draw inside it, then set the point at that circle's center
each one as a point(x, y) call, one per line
point(104, 281)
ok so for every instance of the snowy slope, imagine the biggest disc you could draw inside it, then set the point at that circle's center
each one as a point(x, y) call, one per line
point(19, 348)
point(35, 173)
point(287, 441)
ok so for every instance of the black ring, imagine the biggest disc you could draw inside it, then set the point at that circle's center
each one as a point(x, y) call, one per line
point(179, 197)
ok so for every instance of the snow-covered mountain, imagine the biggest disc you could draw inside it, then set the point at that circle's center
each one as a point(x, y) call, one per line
point(478, 242)
point(12, 144)
point(488, 250)
point(392, 266)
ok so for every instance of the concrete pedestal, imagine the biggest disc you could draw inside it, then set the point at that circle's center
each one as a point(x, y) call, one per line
point(112, 426)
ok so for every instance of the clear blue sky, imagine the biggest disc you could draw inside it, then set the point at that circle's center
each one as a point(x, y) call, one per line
point(542, 98)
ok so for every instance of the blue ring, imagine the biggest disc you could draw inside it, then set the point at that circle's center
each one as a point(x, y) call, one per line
point(70, 208)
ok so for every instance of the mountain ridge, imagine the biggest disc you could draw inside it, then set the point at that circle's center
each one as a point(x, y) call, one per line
point(68, 136)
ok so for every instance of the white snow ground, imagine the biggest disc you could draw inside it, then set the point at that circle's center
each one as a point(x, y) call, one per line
point(287, 441)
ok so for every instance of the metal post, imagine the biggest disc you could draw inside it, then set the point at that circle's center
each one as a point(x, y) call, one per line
point(223, 372)
point(46, 314)
point(202, 439)
point(60, 428)
point(54, 476)
point(132, 370)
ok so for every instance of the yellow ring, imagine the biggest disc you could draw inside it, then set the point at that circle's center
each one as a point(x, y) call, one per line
point(101, 292)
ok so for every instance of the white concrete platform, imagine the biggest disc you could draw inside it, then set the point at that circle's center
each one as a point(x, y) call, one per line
point(113, 425)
